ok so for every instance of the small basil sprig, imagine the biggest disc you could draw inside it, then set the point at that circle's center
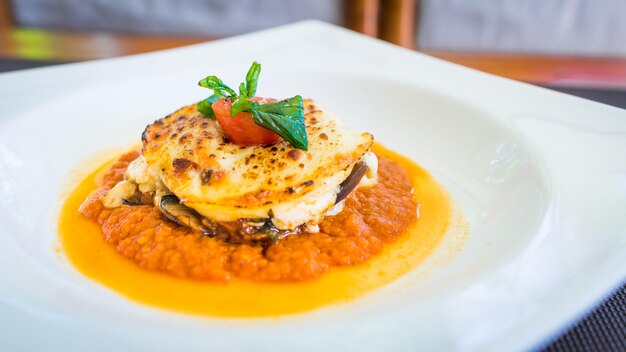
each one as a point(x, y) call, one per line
point(252, 78)
point(204, 106)
point(285, 118)
point(216, 84)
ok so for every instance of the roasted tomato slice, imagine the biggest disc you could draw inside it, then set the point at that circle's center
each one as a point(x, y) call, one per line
point(241, 129)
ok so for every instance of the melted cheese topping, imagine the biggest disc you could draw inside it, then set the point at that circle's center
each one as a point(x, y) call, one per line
point(188, 155)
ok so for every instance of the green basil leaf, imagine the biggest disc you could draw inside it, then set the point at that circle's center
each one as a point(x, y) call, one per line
point(252, 79)
point(205, 106)
point(216, 84)
point(243, 92)
point(241, 104)
point(285, 118)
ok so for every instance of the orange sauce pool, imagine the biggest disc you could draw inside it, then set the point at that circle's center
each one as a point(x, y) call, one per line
point(83, 242)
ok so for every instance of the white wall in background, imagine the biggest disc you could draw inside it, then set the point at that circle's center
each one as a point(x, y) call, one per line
point(194, 17)
point(589, 27)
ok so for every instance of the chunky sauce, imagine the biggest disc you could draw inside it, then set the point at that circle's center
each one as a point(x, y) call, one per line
point(375, 239)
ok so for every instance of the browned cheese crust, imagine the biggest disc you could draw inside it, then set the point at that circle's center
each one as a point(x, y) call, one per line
point(197, 162)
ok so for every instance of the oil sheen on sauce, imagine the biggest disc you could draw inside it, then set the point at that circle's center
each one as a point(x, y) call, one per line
point(83, 243)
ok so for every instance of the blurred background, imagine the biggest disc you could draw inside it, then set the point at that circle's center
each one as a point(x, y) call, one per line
point(565, 44)
point(586, 27)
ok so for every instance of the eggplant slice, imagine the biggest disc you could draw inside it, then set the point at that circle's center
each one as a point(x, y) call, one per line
point(241, 231)
point(182, 214)
point(349, 184)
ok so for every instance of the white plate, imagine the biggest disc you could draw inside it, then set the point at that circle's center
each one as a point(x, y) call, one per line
point(541, 177)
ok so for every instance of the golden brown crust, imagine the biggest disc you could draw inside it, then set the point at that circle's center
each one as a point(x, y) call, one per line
point(199, 164)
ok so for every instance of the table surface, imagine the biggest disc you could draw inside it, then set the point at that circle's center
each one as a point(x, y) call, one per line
point(599, 79)
point(64, 46)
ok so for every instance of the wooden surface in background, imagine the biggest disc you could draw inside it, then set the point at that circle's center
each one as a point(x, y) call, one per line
point(6, 15)
point(33, 44)
point(398, 22)
point(37, 44)
point(544, 69)
point(362, 16)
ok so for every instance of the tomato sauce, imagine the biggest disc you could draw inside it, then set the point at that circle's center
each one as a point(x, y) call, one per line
point(147, 257)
